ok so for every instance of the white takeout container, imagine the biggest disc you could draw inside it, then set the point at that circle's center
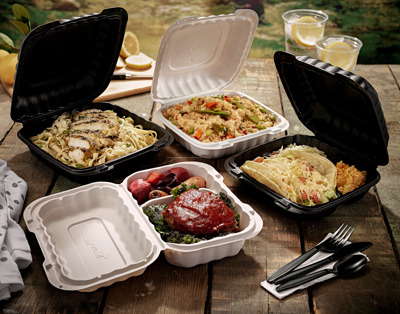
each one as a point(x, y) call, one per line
point(97, 234)
point(201, 57)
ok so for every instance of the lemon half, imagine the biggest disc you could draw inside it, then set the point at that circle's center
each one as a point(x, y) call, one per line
point(340, 54)
point(130, 46)
point(306, 32)
point(138, 62)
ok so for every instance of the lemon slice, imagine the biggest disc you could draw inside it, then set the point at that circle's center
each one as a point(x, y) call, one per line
point(130, 46)
point(138, 62)
point(120, 63)
point(340, 54)
point(306, 32)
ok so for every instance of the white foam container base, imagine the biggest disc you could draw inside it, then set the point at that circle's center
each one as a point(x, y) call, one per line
point(202, 57)
point(227, 147)
point(95, 235)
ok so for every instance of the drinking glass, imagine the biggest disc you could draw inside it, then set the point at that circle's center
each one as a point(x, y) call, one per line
point(339, 50)
point(302, 29)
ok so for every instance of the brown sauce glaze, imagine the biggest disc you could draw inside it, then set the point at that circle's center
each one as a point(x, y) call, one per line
point(200, 213)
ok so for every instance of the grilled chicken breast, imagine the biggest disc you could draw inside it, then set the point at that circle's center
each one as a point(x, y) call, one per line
point(90, 131)
point(108, 127)
point(80, 155)
point(94, 114)
point(89, 140)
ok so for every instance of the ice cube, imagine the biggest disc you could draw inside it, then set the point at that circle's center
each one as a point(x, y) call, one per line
point(333, 40)
point(293, 18)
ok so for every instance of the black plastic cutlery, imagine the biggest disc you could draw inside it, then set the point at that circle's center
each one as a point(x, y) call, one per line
point(342, 268)
point(331, 245)
point(341, 254)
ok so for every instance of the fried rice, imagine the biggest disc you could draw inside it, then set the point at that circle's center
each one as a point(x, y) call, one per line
point(218, 118)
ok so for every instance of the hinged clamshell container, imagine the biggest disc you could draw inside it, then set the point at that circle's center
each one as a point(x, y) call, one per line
point(63, 66)
point(97, 234)
point(201, 57)
point(342, 110)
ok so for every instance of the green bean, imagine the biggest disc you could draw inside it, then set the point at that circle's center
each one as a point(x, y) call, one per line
point(221, 113)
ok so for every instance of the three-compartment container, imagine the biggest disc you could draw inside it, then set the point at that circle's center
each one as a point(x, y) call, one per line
point(344, 113)
point(97, 234)
point(202, 57)
point(62, 67)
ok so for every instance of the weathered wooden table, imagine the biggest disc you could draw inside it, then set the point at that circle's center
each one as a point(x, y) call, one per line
point(233, 284)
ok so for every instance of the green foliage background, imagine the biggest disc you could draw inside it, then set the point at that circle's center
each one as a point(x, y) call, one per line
point(375, 22)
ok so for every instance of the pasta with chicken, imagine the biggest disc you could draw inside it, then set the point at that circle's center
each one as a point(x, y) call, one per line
point(93, 137)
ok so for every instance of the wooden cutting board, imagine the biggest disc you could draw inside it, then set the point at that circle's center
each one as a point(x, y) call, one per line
point(118, 88)
point(7, 87)
point(122, 88)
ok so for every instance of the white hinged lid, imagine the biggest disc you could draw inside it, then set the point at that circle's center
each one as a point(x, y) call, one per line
point(199, 56)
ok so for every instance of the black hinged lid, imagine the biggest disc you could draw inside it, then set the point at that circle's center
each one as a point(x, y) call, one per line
point(66, 63)
point(340, 108)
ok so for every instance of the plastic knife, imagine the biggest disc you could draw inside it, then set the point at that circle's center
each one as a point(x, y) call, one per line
point(342, 253)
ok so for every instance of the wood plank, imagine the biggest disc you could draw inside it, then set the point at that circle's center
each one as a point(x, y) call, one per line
point(376, 288)
point(366, 217)
point(8, 88)
point(236, 280)
point(38, 294)
point(233, 284)
point(163, 288)
point(18, 157)
point(389, 95)
point(395, 68)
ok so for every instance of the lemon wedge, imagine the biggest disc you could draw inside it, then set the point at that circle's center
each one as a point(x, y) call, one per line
point(340, 54)
point(306, 32)
point(120, 63)
point(130, 45)
point(138, 62)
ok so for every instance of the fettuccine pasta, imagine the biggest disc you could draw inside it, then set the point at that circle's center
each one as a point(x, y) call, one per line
point(93, 137)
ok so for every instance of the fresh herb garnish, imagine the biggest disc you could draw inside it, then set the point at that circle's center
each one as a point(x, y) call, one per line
point(182, 188)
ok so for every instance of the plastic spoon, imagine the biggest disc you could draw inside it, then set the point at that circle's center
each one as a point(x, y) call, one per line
point(342, 268)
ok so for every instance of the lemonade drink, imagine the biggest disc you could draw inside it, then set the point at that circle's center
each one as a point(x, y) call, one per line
point(339, 50)
point(302, 29)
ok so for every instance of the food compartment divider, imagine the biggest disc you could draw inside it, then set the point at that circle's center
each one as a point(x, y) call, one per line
point(233, 164)
point(342, 110)
point(86, 232)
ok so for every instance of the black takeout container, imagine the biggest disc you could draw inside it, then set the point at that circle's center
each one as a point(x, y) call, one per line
point(63, 66)
point(344, 113)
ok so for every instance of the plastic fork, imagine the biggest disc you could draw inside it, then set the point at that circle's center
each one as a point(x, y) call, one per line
point(330, 245)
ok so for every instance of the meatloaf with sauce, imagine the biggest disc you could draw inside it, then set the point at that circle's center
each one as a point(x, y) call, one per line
point(200, 213)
